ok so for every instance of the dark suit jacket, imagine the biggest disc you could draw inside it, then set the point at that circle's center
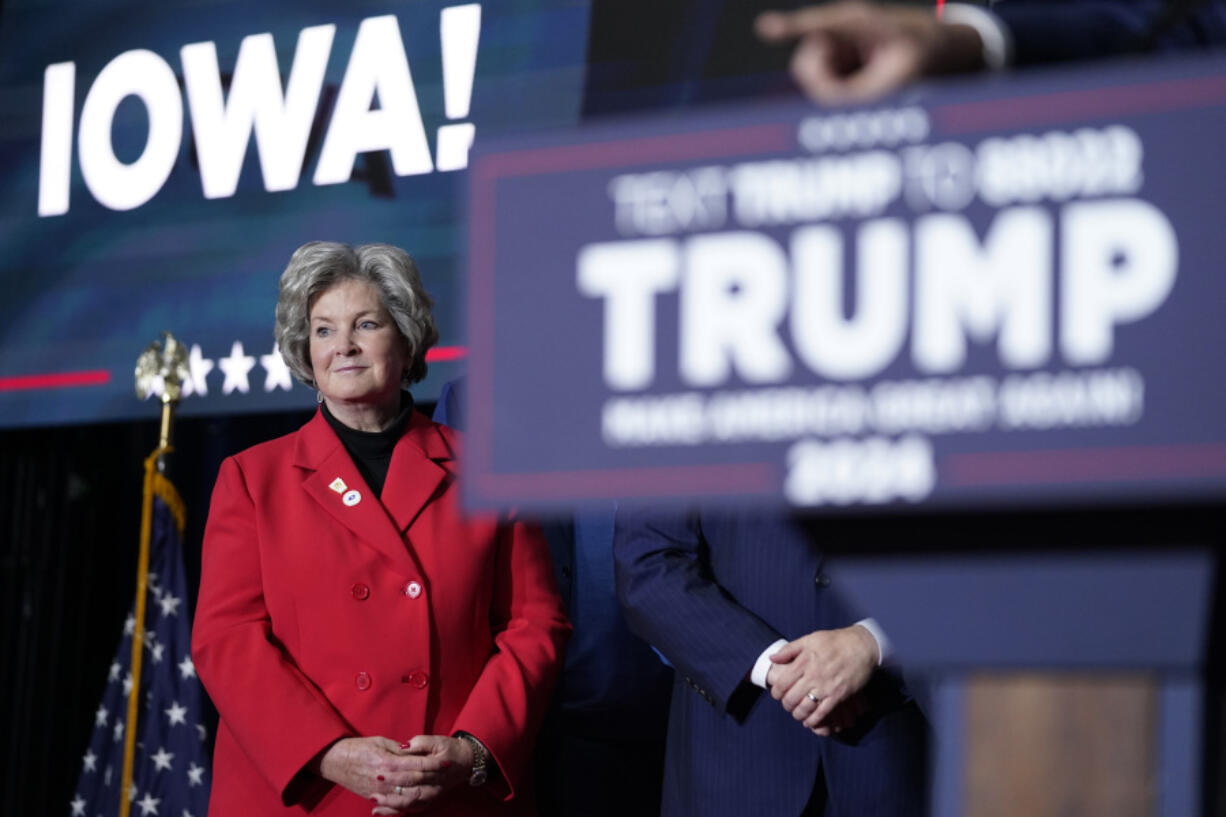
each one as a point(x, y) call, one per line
point(321, 617)
point(712, 591)
point(1058, 30)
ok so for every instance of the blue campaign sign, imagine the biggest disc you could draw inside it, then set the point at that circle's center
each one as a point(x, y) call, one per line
point(992, 292)
point(162, 161)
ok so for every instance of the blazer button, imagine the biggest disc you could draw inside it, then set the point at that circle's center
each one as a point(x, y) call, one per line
point(411, 589)
point(360, 592)
point(822, 580)
point(362, 681)
point(417, 679)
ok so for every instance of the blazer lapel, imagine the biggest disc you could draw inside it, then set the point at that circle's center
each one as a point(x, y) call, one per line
point(321, 453)
point(421, 467)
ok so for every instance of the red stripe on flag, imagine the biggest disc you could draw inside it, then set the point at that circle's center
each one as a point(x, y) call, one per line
point(55, 380)
point(443, 353)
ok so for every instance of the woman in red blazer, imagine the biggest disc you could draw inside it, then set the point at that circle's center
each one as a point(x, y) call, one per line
point(370, 648)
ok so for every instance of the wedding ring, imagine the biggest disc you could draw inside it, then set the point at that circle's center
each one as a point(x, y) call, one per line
point(398, 789)
point(813, 697)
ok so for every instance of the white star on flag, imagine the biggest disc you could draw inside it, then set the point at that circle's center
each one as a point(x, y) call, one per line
point(78, 806)
point(204, 733)
point(118, 730)
point(114, 673)
point(100, 716)
point(91, 761)
point(277, 373)
point(129, 624)
point(170, 605)
point(199, 367)
point(236, 367)
point(162, 759)
point(127, 684)
point(156, 650)
point(149, 805)
point(176, 714)
point(195, 775)
point(186, 668)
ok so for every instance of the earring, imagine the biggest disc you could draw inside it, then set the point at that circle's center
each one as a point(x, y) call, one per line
point(319, 397)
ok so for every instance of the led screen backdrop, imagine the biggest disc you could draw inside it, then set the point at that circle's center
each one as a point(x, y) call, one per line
point(161, 161)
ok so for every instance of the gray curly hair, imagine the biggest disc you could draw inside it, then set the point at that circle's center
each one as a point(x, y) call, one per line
point(316, 267)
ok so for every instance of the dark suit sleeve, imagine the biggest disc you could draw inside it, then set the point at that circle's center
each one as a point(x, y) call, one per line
point(1046, 31)
point(672, 600)
point(450, 407)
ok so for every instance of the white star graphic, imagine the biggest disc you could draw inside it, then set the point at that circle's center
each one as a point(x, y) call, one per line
point(236, 367)
point(149, 804)
point(131, 792)
point(162, 759)
point(78, 806)
point(127, 684)
point(186, 668)
point(176, 713)
point(277, 373)
point(186, 813)
point(91, 761)
point(199, 367)
point(100, 716)
point(115, 668)
point(170, 605)
point(156, 650)
point(129, 625)
point(106, 777)
point(118, 730)
point(195, 775)
point(204, 733)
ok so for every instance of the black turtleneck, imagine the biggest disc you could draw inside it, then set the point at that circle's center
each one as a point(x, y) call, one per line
point(371, 451)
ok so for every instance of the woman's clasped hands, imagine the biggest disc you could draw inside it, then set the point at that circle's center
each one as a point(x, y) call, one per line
point(398, 777)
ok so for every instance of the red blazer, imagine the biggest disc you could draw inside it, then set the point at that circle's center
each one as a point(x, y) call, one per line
point(320, 618)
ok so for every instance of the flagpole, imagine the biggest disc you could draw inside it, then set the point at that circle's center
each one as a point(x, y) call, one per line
point(162, 367)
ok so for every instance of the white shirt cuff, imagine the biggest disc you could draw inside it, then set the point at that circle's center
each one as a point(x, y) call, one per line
point(763, 665)
point(997, 43)
point(884, 648)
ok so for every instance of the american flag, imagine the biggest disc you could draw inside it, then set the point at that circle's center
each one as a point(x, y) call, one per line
point(170, 774)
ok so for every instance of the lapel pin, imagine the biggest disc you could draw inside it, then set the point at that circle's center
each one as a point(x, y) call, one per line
point(352, 498)
point(338, 485)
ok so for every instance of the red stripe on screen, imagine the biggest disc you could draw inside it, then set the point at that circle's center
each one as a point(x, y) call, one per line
point(55, 380)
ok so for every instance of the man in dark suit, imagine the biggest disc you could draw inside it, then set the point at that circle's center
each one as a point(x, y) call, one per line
point(837, 734)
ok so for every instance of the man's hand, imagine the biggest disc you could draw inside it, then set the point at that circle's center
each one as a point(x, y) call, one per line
point(854, 51)
point(829, 665)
